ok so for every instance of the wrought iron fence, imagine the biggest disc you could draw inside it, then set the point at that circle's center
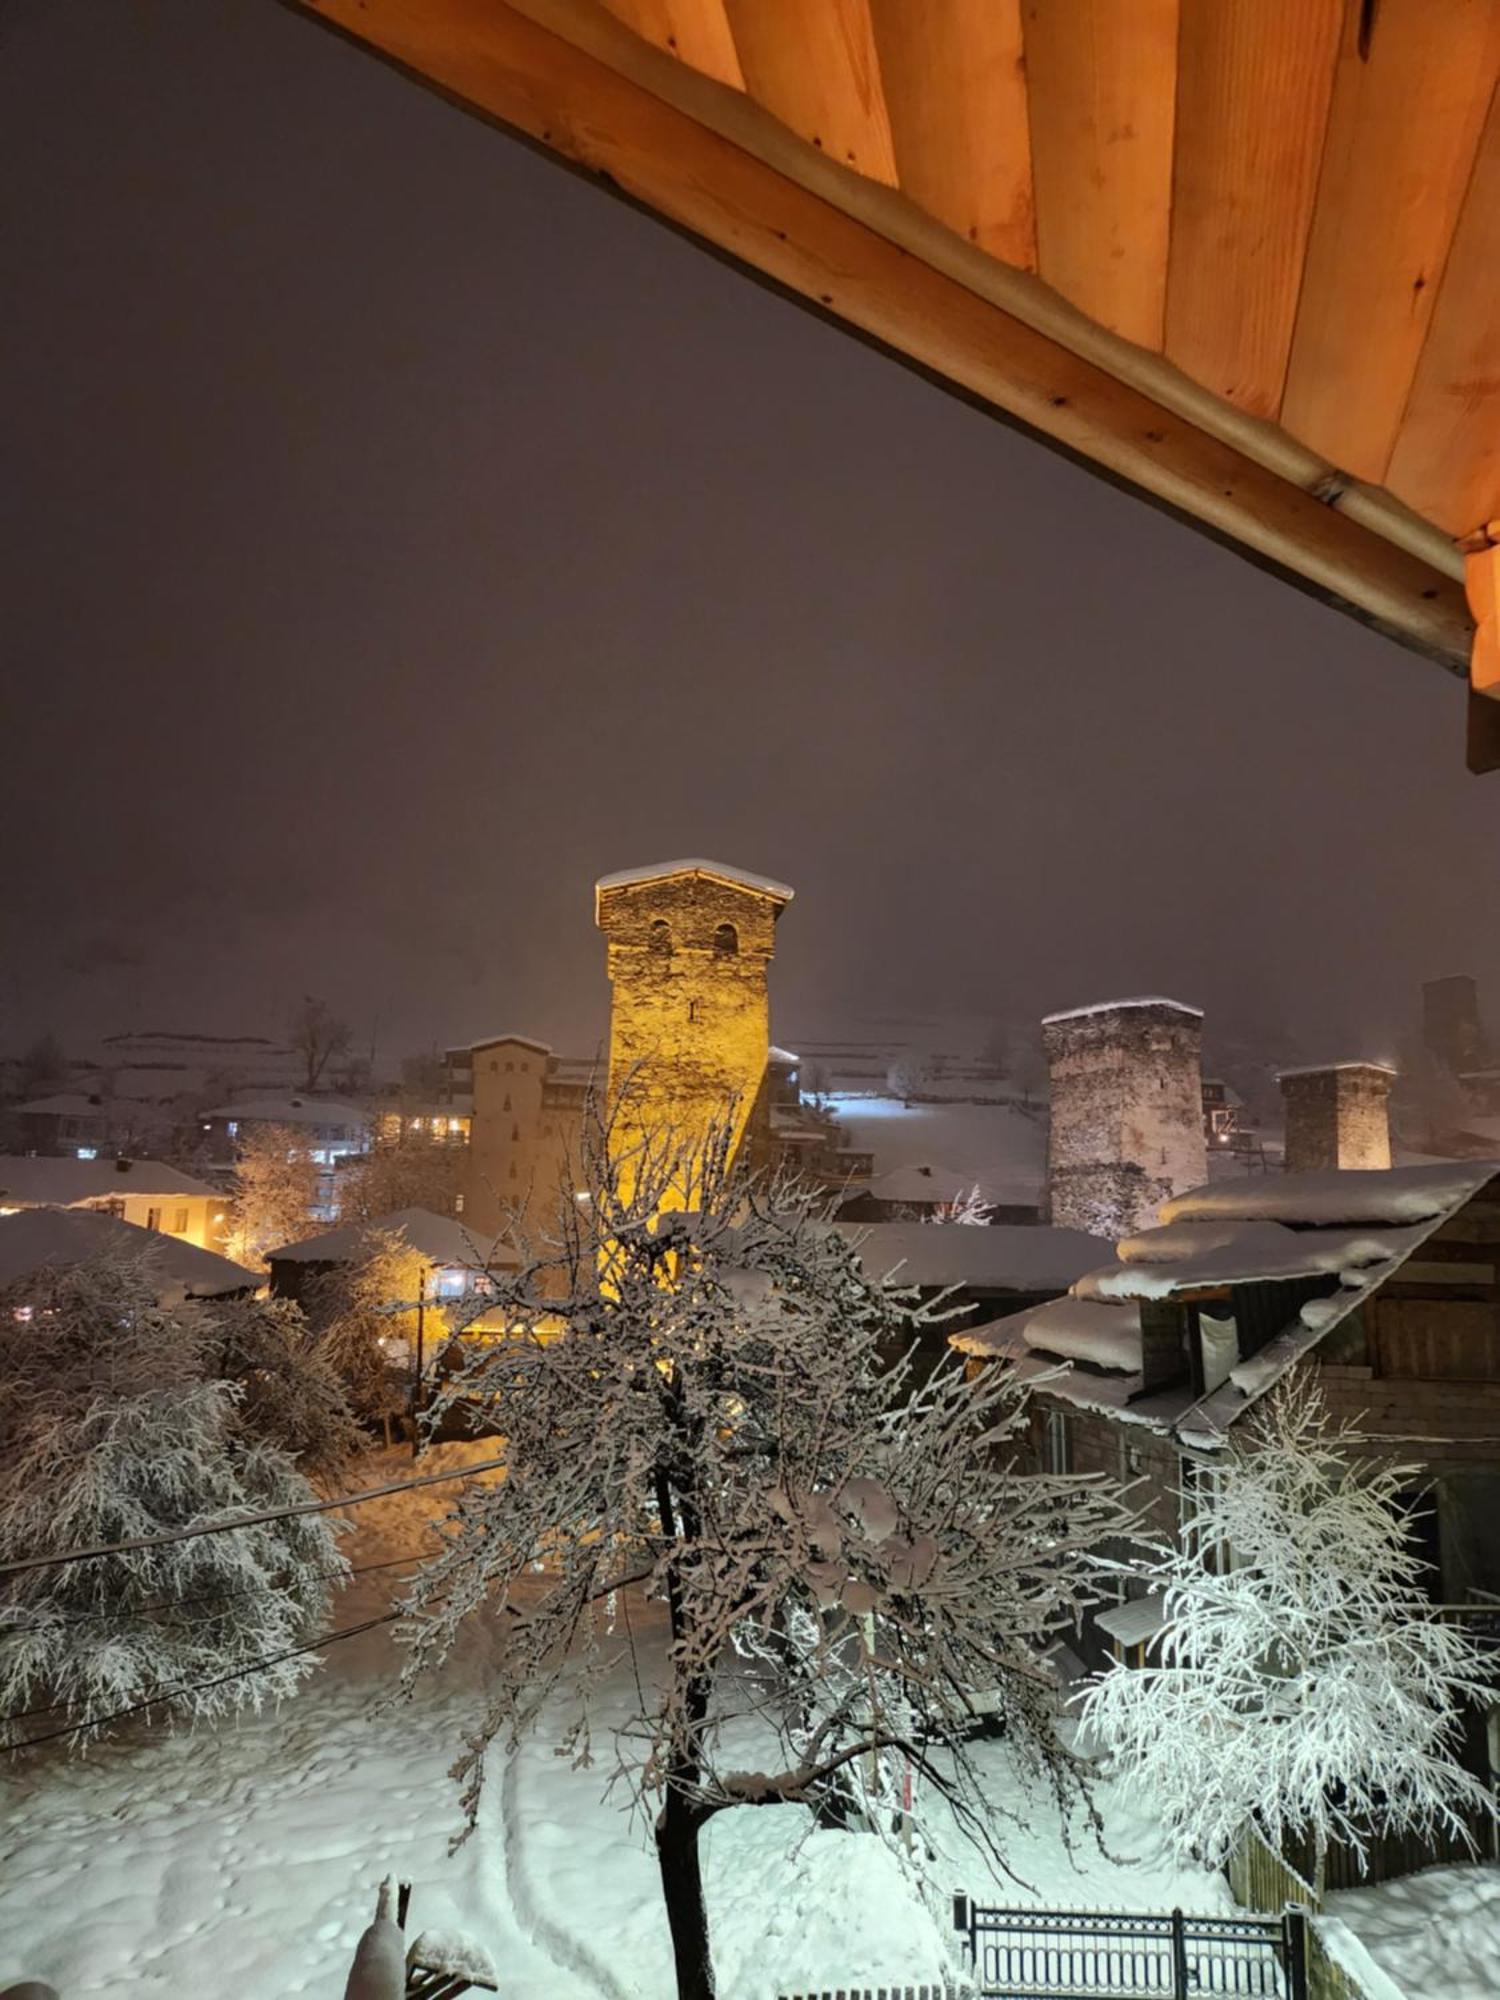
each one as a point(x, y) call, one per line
point(1101, 1955)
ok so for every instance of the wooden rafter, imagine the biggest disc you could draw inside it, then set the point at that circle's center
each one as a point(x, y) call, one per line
point(1195, 194)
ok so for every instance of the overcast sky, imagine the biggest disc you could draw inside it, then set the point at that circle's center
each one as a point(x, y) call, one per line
point(402, 532)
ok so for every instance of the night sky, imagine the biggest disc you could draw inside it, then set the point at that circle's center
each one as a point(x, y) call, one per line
point(402, 532)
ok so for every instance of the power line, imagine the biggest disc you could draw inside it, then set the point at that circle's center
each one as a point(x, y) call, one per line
point(120, 1615)
point(161, 1695)
point(23, 1563)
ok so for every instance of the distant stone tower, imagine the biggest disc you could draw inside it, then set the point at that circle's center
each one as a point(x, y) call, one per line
point(689, 1030)
point(1127, 1112)
point(1451, 1030)
point(1337, 1116)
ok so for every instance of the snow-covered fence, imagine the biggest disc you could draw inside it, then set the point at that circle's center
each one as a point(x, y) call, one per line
point(1260, 1879)
point(1119, 1955)
point(941, 1991)
point(1339, 1967)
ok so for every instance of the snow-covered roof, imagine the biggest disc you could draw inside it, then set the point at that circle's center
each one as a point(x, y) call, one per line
point(1138, 1618)
point(26, 1180)
point(1106, 1336)
point(526, 1042)
point(1254, 1253)
point(55, 1239)
point(660, 871)
point(1355, 1229)
point(1311, 1200)
point(439, 1238)
point(1020, 1257)
point(293, 1109)
point(68, 1104)
point(1121, 1007)
point(931, 1153)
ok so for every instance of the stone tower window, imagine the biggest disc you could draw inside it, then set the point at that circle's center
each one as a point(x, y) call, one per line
point(726, 941)
point(659, 937)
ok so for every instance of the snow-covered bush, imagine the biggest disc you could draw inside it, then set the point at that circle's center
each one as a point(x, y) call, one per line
point(114, 1426)
point(1309, 1686)
point(702, 1405)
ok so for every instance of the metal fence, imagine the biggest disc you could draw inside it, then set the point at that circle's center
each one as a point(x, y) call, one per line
point(1099, 1955)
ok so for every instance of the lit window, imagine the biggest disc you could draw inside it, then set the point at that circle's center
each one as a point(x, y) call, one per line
point(88, 1152)
point(234, 1128)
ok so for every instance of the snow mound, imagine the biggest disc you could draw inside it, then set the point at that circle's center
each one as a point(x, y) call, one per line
point(1081, 1329)
point(1436, 1935)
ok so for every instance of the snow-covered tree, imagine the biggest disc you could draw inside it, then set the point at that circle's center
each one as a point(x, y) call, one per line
point(967, 1206)
point(1304, 1682)
point(274, 1192)
point(401, 1173)
point(114, 1425)
point(704, 1405)
point(292, 1391)
point(365, 1314)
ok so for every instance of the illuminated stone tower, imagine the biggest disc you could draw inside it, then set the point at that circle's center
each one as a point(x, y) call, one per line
point(1127, 1112)
point(689, 1031)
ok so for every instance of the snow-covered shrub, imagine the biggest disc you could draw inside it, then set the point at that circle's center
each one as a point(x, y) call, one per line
point(702, 1405)
point(1309, 1686)
point(114, 1426)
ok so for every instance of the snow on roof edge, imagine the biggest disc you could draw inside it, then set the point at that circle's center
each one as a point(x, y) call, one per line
point(623, 878)
point(1122, 1006)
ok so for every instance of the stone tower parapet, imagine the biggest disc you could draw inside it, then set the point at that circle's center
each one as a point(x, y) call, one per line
point(1127, 1112)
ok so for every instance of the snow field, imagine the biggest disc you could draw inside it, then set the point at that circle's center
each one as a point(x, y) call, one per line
point(244, 1857)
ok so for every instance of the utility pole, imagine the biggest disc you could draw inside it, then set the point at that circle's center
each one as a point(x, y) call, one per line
point(416, 1393)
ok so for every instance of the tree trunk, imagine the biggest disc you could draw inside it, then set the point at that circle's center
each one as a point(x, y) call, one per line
point(677, 1829)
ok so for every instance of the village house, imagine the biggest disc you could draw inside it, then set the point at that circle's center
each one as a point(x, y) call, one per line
point(148, 1193)
point(55, 1239)
point(451, 1261)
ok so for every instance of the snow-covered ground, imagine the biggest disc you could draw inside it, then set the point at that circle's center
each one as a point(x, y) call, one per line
point(1437, 1934)
point(245, 1857)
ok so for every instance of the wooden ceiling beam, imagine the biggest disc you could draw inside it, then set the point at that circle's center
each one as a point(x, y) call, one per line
point(1253, 85)
point(1447, 457)
point(1098, 77)
point(954, 77)
point(564, 75)
point(1389, 194)
point(812, 64)
point(697, 32)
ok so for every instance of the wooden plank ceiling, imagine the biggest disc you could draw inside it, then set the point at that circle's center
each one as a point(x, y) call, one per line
point(1241, 255)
